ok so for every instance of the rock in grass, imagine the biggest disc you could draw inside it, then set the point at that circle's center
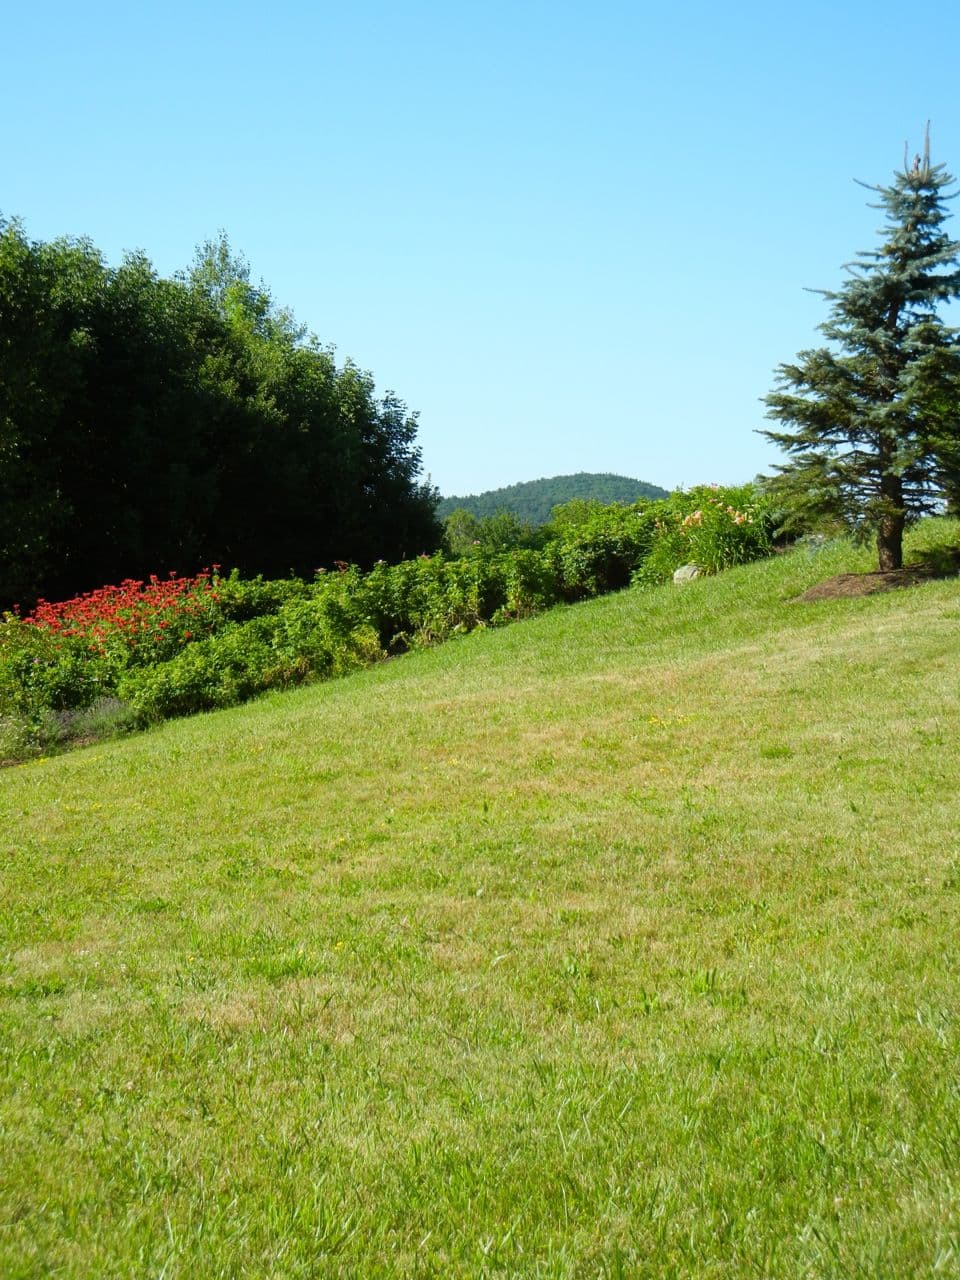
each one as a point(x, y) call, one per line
point(686, 573)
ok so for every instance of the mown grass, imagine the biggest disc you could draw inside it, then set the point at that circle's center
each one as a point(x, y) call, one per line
point(620, 942)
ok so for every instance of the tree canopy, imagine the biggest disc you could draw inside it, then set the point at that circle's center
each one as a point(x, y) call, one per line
point(150, 424)
point(872, 422)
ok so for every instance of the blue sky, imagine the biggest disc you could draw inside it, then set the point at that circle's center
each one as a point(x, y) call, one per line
point(573, 237)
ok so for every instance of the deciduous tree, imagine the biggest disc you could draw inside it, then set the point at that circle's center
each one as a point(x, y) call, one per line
point(149, 424)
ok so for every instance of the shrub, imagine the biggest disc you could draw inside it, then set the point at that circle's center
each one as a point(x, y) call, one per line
point(216, 672)
point(596, 548)
point(532, 582)
point(327, 633)
point(41, 670)
point(708, 526)
point(137, 621)
point(54, 689)
point(309, 638)
point(241, 599)
point(426, 600)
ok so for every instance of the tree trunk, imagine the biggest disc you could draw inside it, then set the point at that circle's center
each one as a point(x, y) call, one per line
point(890, 526)
point(890, 535)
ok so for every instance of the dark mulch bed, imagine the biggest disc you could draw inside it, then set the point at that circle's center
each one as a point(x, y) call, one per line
point(944, 564)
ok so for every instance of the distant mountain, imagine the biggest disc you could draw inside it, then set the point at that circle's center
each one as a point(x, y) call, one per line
point(533, 500)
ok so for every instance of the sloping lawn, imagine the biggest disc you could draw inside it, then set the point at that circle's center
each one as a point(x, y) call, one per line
point(620, 942)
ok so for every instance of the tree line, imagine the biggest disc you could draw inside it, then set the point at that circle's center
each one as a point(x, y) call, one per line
point(151, 424)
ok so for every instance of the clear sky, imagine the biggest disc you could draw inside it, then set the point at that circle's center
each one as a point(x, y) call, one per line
point(572, 236)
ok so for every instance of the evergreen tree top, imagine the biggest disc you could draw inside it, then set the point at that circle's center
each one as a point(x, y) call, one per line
point(914, 243)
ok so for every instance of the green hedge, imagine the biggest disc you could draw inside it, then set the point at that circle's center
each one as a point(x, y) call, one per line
point(260, 634)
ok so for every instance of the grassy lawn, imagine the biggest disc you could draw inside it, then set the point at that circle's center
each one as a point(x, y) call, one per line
point(619, 942)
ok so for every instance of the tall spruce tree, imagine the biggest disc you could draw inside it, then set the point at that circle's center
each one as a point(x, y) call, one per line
point(873, 421)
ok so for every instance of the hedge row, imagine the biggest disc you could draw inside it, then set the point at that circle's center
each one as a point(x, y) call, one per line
point(147, 651)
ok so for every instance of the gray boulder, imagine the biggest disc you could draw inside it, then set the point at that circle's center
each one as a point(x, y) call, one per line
point(686, 573)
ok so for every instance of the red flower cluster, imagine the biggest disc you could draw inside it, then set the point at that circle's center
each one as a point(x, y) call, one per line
point(133, 612)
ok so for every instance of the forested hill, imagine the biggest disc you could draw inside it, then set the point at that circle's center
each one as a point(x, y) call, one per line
point(533, 500)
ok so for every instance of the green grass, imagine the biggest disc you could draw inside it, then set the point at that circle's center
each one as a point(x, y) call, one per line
point(620, 942)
